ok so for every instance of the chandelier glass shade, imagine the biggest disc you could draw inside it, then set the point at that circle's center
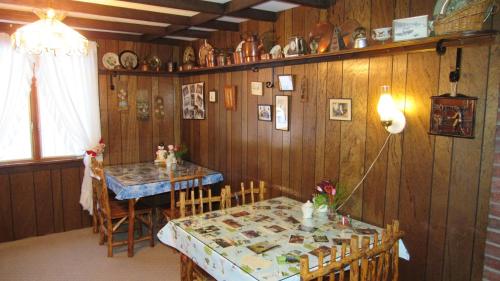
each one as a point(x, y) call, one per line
point(50, 35)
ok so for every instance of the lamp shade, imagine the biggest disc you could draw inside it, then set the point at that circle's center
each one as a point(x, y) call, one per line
point(391, 117)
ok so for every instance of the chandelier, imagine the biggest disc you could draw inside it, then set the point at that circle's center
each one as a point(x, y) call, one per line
point(49, 34)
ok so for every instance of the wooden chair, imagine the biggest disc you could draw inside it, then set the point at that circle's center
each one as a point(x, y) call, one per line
point(188, 183)
point(379, 262)
point(95, 184)
point(252, 192)
point(113, 214)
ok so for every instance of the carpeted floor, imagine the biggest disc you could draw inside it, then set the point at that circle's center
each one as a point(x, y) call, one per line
point(76, 256)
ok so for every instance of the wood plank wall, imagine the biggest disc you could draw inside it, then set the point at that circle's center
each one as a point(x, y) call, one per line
point(436, 186)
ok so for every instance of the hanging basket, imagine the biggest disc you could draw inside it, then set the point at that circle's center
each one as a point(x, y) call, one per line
point(468, 18)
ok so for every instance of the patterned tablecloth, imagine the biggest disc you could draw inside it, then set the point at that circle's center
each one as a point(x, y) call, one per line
point(231, 244)
point(145, 179)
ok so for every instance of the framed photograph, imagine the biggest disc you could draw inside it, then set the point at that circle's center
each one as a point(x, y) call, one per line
point(193, 103)
point(256, 88)
point(212, 96)
point(410, 28)
point(340, 109)
point(264, 112)
point(453, 116)
point(281, 111)
point(286, 82)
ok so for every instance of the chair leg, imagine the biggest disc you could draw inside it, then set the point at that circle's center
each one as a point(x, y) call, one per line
point(101, 236)
point(110, 242)
point(151, 230)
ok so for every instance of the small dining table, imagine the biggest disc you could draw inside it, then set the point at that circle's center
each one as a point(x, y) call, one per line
point(263, 241)
point(134, 181)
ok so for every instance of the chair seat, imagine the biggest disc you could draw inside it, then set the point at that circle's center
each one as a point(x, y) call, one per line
point(119, 209)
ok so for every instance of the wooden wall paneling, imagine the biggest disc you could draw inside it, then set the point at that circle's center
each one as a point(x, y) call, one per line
point(487, 162)
point(229, 137)
point(380, 73)
point(252, 130)
point(43, 202)
point(334, 81)
point(276, 142)
point(57, 200)
point(322, 115)
point(465, 171)
point(203, 139)
point(336, 12)
point(157, 123)
point(196, 125)
point(382, 13)
point(222, 130)
point(114, 142)
point(416, 174)
point(70, 179)
point(86, 217)
point(296, 119)
point(243, 105)
point(265, 130)
point(145, 127)
point(6, 228)
point(401, 9)
point(211, 116)
point(103, 112)
point(286, 148)
point(235, 124)
point(395, 145)
point(353, 133)
point(359, 10)
point(130, 124)
point(176, 91)
point(309, 130)
point(166, 89)
point(23, 204)
point(217, 122)
point(421, 7)
point(440, 182)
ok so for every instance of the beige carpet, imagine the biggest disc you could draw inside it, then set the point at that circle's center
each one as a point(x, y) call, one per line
point(76, 255)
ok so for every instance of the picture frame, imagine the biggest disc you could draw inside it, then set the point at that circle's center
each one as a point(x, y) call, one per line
point(410, 28)
point(212, 96)
point(340, 109)
point(230, 97)
point(264, 112)
point(193, 103)
point(256, 88)
point(286, 82)
point(453, 116)
point(281, 112)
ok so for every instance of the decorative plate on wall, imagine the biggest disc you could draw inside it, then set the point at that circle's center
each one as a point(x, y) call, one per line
point(188, 56)
point(129, 60)
point(110, 60)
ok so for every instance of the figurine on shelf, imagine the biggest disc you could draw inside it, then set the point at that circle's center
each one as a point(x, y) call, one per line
point(171, 156)
point(160, 154)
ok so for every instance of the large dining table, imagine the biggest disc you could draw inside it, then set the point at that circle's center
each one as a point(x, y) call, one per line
point(262, 241)
point(134, 181)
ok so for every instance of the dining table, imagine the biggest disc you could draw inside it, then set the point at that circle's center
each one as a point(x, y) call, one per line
point(261, 241)
point(137, 180)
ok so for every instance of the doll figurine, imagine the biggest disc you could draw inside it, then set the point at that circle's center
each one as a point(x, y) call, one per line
point(160, 154)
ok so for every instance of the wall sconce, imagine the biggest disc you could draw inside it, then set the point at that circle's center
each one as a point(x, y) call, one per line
point(391, 117)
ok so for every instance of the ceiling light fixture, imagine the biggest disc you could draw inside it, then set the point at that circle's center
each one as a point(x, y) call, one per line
point(49, 34)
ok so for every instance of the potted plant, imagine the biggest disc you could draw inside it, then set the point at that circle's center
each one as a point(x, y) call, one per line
point(180, 151)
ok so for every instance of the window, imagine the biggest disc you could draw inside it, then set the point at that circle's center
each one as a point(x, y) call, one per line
point(55, 116)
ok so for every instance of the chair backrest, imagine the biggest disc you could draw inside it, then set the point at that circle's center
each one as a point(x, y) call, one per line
point(195, 205)
point(101, 187)
point(187, 183)
point(378, 262)
point(251, 191)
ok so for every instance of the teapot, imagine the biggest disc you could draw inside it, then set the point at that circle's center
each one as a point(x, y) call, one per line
point(307, 210)
point(251, 48)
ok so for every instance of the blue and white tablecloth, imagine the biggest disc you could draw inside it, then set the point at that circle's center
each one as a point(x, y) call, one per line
point(145, 179)
point(231, 244)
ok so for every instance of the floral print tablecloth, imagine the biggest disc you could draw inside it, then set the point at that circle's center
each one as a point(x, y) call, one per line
point(144, 179)
point(259, 242)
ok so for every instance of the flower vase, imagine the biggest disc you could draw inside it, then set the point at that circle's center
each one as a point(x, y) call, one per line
point(322, 211)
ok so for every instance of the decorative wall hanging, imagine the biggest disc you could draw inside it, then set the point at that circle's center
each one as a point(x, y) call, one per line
point(264, 112)
point(286, 82)
point(340, 109)
point(129, 59)
point(256, 88)
point(453, 116)
point(230, 97)
point(193, 104)
point(410, 28)
point(122, 95)
point(281, 112)
point(212, 96)
point(142, 105)
point(159, 108)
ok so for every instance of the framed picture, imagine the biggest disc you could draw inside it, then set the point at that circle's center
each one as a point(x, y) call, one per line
point(281, 111)
point(340, 109)
point(212, 96)
point(286, 82)
point(410, 28)
point(453, 116)
point(230, 97)
point(264, 112)
point(193, 104)
point(256, 88)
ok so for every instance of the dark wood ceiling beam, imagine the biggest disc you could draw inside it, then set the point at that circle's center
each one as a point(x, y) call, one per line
point(190, 5)
point(321, 4)
point(239, 5)
point(103, 10)
point(255, 14)
point(193, 33)
point(221, 25)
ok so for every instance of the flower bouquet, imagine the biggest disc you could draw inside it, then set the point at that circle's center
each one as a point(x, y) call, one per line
point(328, 196)
point(180, 151)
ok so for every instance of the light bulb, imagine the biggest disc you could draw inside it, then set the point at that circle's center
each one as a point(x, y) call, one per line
point(391, 117)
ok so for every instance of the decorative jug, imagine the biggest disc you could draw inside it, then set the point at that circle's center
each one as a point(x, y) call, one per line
point(251, 48)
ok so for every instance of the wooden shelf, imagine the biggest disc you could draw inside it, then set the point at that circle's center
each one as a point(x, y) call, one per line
point(419, 45)
point(425, 44)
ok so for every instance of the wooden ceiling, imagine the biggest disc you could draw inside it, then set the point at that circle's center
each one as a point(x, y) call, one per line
point(157, 21)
